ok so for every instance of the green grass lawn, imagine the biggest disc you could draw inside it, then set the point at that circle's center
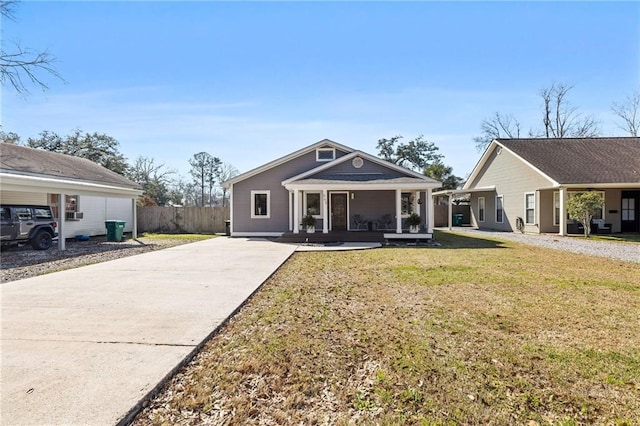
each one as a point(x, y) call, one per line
point(479, 331)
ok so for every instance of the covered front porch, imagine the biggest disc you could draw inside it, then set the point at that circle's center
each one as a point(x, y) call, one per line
point(359, 210)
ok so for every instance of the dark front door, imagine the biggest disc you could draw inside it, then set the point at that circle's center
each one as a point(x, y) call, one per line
point(338, 212)
point(630, 212)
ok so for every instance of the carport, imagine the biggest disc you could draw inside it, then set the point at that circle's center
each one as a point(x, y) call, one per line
point(37, 177)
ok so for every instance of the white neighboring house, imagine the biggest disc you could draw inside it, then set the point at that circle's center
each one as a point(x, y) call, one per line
point(90, 193)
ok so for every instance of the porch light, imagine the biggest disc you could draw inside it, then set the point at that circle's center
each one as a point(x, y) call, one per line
point(353, 195)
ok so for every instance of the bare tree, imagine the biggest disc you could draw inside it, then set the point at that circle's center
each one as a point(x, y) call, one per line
point(629, 112)
point(19, 65)
point(226, 172)
point(560, 119)
point(496, 127)
point(154, 178)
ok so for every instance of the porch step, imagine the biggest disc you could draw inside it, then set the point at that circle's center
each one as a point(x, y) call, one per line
point(332, 237)
point(420, 236)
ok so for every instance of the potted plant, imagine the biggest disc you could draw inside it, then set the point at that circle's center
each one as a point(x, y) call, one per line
point(309, 222)
point(414, 221)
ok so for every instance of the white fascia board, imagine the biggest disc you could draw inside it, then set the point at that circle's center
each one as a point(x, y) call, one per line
point(465, 191)
point(10, 182)
point(283, 160)
point(485, 157)
point(622, 185)
point(362, 186)
point(366, 156)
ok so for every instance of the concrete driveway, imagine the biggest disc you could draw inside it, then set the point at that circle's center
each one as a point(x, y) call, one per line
point(83, 346)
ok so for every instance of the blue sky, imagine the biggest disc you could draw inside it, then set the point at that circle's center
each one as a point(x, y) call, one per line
point(251, 81)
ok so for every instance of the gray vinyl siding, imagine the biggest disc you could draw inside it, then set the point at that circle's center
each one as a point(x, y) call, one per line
point(270, 180)
point(512, 179)
point(371, 205)
point(367, 167)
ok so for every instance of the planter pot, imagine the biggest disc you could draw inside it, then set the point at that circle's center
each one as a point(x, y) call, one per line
point(311, 229)
point(414, 229)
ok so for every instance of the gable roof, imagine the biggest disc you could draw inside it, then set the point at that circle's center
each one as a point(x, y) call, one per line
point(410, 175)
point(25, 161)
point(286, 158)
point(574, 161)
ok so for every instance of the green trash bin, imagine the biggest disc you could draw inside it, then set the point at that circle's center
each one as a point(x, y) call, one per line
point(115, 229)
point(457, 219)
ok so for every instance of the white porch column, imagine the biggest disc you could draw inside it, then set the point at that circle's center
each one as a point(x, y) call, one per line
point(62, 213)
point(134, 209)
point(290, 212)
point(296, 211)
point(325, 212)
point(428, 205)
point(563, 212)
point(398, 211)
point(450, 211)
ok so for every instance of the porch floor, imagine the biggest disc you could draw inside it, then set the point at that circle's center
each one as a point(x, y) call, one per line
point(346, 236)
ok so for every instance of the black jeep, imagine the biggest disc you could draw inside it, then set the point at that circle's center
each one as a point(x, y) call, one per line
point(20, 224)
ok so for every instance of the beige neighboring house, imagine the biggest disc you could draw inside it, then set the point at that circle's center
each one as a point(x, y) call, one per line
point(82, 194)
point(532, 179)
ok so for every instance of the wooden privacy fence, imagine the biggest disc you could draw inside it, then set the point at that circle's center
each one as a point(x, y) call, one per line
point(441, 212)
point(190, 220)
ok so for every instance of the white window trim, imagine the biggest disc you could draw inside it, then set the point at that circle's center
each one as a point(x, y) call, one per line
point(556, 197)
point(253, 203)
point(484, 209)
point(496, 209)
point(333, 152)
point(411, 204)
point(304, 202)
point(525, 208)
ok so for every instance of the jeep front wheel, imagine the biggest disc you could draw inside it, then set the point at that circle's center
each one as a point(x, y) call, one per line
point(41, 241)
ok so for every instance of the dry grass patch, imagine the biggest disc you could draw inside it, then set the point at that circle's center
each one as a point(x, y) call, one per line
point(476, 332)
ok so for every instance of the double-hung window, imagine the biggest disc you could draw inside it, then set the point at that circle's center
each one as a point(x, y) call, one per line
point(260, 204)
point(499, 209)
point(530, 208)
point(312, 204)
point(406, 203)
point(481, 208)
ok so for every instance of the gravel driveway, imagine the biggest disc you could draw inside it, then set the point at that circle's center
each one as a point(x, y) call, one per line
point(629, 252)
point(24, 262)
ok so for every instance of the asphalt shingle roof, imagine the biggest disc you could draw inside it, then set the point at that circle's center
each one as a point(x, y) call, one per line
point(581, 160)
point(36, 162)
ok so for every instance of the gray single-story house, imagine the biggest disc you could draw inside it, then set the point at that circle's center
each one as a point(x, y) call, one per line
point(342, 188)
point(81, 193)
point(532, 179)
